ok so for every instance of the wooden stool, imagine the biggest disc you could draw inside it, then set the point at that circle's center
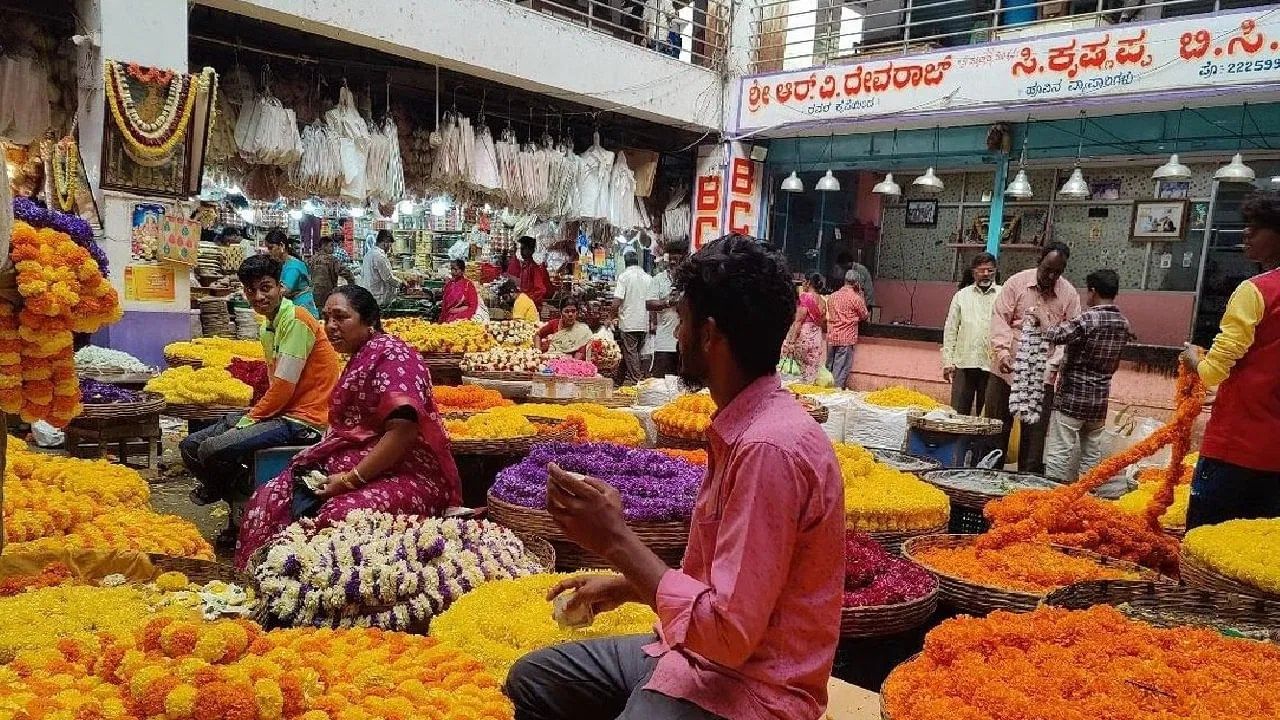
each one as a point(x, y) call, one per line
point(89, 437)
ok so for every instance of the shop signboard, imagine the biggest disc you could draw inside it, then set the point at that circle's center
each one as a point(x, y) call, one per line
point(150, 283)
point(727, 193)
point(1205, 54)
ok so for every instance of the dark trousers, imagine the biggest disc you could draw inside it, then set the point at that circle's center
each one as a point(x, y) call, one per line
point(1031, 440)
point(969, 390)
point(220, 455)
point(600, 679)
point(1221, 491)
point(632, 343)
point(666, 363)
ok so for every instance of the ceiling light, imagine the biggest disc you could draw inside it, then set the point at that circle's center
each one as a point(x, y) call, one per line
point(1235, 171)
point(1075, 187)
point(1172, 170)
point(887, 187)
point(828, 183)
point(1020, 188)
point(793, 183)
point(928, 182)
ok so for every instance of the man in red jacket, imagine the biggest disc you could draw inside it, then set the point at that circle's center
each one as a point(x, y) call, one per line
point(1239, 471)
point(532, 277)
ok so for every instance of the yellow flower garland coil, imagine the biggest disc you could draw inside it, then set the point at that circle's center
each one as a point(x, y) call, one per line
point(1247, 551)
point(688, 416)
point(879, 498)
point(603, 424)
point(214, 352)
point(464, 336)
point(207, 386)
point(503, 620)
point(490, 425)
point(896, 396)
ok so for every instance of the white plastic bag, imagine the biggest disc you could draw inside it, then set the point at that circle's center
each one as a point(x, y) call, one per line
point(875, 426)
point(837, 405)
point(353, 170)
point(1125, 429)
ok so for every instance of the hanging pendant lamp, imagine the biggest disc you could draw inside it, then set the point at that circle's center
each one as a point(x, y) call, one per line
point(1174, 169)
point(792, 183)
point(1235, 171)
point(928, 182)
point(828, 183)
point(887, 187)
point(1020, 188)
point(1075, 188)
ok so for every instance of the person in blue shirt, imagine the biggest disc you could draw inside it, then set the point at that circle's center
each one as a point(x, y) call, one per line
point(294, 275)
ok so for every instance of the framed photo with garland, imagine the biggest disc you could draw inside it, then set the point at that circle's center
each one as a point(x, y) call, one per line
point(155, 129)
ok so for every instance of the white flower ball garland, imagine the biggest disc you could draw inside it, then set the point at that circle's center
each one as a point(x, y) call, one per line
point(1026, 393)
point(380, 570)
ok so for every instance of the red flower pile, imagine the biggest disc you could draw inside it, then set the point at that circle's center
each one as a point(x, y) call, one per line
point(874, 577)
point(252, 373)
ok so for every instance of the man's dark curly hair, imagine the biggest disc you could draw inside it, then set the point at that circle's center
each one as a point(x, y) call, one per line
point(1262, 210)
point(256, 267)
point(749, 292)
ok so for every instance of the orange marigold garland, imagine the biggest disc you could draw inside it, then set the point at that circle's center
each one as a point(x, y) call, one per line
point(1027, 567)
point(697, 457)
point(63, 291)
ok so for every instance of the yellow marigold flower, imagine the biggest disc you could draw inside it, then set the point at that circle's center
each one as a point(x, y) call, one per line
point(896, 396)
point(172, 581)
point(878, 498)
point(1247, 551)
point(180, 703)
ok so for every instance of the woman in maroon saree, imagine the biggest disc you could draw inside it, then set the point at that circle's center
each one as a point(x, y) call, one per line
point(385, 449)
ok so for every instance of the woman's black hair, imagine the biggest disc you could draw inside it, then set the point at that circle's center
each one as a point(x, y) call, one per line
point(575, 302)
point(363, 303)
point(460, 264)
point(817, 283)
point(748, 290)
point(256, 267)
point(981, 258)
point(276, 236)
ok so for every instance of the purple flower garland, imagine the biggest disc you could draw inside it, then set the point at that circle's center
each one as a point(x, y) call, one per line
point(654, 487)
point(39, 217)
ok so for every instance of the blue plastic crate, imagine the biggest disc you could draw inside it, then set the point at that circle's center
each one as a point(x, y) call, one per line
point(953, 450)
point(269, 463)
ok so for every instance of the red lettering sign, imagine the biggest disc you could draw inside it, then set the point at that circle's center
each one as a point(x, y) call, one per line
point(743, 178)
point(740, 207)
point(708, 198)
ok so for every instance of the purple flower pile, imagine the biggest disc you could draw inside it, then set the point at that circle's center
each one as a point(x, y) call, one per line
point(654, 487)
point(100, 393)
point(40, 217)
point(874, 577)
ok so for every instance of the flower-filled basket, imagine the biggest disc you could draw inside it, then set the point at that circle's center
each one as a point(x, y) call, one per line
point(1167, 605)
point(1237, 556)
point(883, 594)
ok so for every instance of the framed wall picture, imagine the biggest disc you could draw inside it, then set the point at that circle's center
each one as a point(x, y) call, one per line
point(922, 213)
point(1173, 189)
point(1159, 220)
point(1108, 189)
point(1198, 218)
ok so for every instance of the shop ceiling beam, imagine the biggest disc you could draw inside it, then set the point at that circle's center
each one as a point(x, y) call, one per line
point(503, 42)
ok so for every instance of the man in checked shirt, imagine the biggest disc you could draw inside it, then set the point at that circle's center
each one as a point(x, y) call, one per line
point(1094, 341)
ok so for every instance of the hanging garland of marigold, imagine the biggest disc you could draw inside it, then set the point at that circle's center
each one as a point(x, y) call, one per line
point(66, 172)
point(153, 141)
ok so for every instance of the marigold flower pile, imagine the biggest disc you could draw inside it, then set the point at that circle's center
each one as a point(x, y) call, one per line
point(1077, 664)
point(176, 669)
point(184, 385)
point(879, 498)
point(688, 416)
point(381, 570)
point(51, 575)
point(501, 621)
point(874, 577)
point(63, 291)
point(490, 425)
point(214, 352)
point(1150, 480)
point(654, 487)
point(896, 396)
point(1245, 550)
point(1028, 567)
point(463, 336)
point(1070, 516)
point(467, 398)
point(806, 389)
point(603, 424)
point(54, 502)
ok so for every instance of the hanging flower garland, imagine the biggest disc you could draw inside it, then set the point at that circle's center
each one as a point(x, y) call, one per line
point(154, 141)
point(66, 172)
point(1026, 396)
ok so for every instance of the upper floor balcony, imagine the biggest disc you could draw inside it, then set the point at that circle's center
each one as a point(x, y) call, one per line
point(797, 34)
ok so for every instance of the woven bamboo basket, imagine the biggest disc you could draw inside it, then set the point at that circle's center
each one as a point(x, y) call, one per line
point(978, 599)
point(150, 403)
point(116, 376)
point(906, 462)
point(499, 446)
point(679, 443)
point(1198, 574)
point(882, 620)
point(200, 571)
point(507, 376)
point(1177, 531)
point(179, 362)
point(517, 390)
point(613, 401)
point(1217, 609)
point(892, 541)
point(955, 424)
point(971, 499)
point(200, 412)
point(666, 539)
point(540, 550)
point(442, 358)
point(884, 711)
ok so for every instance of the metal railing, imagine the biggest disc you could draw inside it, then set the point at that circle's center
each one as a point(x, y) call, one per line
point(692, 31)
point(796, 34)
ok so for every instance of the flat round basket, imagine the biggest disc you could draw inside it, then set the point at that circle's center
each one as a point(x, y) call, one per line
point(666, 539)
point(973, 488)
point(516, 390)
point(955, 424)
point(149, 404)
point(1166, 604)
point(978, 599)
point(200, 412)
point(499, 446)
point(1196, 573)
point(819, 413)
point(199, 571)
point(679, 443)
point(442, 358)
point(892, 541)
point(882, 620)
point(539, 549)
point(468, 375)
point(117, 376)
point(178, 362)
point(613, 401)
point(906, 462)
point(884, 711)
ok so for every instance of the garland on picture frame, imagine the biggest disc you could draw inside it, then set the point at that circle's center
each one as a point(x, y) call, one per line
point(66, 172)
point(154, 141)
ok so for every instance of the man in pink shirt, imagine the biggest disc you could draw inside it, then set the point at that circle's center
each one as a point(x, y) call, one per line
point(747, 627)
point(1044, 291)
point(845, 309)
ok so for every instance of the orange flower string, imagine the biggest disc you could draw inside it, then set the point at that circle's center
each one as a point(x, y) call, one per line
point(697, 457)
point(52, 574)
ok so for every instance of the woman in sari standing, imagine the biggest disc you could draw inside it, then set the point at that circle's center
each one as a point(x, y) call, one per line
point(387, 452)
point(294, 274)
point(460, 298)
point(805, 342)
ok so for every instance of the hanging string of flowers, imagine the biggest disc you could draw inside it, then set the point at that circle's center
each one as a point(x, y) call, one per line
point(66, 172)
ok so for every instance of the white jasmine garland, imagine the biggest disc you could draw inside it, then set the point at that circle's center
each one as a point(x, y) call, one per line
point(376, 569)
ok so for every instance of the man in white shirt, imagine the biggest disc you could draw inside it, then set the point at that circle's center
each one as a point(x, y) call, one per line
point(629, 297)
point(375, 271)
point(966, 337)
point(666, 355)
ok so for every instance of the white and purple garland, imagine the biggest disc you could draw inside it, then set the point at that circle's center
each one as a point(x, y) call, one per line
point(1026, 392)
point(379, 570)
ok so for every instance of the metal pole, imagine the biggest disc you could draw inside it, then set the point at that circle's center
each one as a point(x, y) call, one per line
point(1205, 244)
point(995, 222)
